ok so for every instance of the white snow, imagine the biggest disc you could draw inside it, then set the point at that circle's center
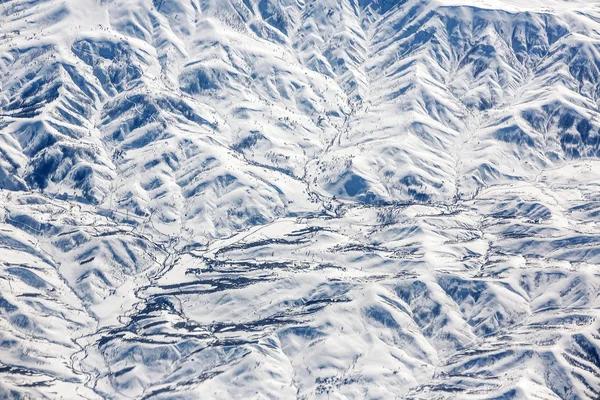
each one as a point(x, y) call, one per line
point(280, 199)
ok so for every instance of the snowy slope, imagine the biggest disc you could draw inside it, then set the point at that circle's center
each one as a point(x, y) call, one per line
point(300, 199)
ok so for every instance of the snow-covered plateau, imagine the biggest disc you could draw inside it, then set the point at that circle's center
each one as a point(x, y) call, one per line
point(300, 199)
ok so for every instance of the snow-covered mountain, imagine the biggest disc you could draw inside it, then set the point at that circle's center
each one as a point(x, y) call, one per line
point(311, 199)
